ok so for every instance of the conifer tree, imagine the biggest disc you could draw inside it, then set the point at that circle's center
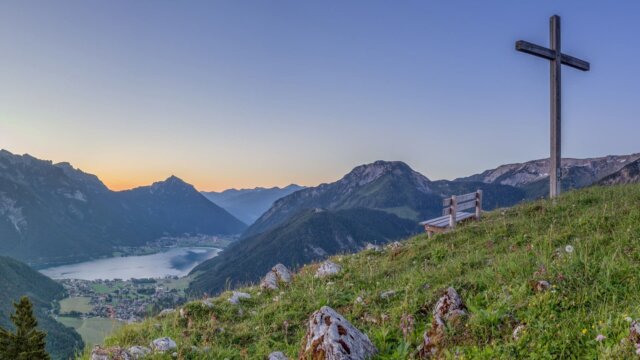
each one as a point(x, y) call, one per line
point(27, 343)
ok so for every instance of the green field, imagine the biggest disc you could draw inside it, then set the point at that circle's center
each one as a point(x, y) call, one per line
point(92, 330)
point(79, 304)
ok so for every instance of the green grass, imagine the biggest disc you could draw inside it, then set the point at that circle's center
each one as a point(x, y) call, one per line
point(92, 330)
point(79, 304)
point(491, 263)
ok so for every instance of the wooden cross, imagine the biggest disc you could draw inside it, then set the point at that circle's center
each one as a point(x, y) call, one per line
point(557, 58)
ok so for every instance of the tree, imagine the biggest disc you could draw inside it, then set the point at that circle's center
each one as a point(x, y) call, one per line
point(27, 343)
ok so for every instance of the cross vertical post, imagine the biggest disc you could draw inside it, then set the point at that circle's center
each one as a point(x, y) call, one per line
point(555, 161)
point(556, 59)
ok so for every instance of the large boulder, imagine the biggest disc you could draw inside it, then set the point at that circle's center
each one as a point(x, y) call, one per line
point(270, 281)
point(331, 337)
point(328, 268)
point(277, 274)
point(163, 344)
point(110, 353)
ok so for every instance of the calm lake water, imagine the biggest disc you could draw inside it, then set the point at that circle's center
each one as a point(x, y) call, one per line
point(175, 261)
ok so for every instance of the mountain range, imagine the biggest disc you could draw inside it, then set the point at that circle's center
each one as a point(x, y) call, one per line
point(54, 213)
point(312, 217)
point(533, 176)
point(248, 204)
point(19, 279)
point(377, 203)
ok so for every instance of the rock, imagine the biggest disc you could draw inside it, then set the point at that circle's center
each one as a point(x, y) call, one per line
point(237, 296)
point(166, 312)
point(163, 344)
point(373, 247)
point(387, 294)
point(449, 305)
point(270, 281)
point(359, 300)
point(541, 286)
point(139, 352)
point(449, 309)
point(283, 273)
point(109, 353)
point(634, 333)
point(278, 273)
point(394, 245)
point(328, 268)
point(517, 332)
point(427, 349)
point(331, 337)
point(277, 355)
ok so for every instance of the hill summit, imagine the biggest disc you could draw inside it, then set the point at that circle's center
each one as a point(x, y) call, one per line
point(540, 280)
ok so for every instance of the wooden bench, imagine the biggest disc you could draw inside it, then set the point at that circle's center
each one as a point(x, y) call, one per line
point(453, 214)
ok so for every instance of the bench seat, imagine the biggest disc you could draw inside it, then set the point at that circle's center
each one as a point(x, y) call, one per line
point(443, 221)
point(453, 213)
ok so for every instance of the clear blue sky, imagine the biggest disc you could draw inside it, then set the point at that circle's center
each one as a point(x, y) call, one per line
point(261, 93)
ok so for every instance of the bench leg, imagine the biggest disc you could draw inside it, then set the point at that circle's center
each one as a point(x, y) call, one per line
point(429, 233)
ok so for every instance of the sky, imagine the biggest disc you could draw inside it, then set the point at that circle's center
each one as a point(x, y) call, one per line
point(266, 93)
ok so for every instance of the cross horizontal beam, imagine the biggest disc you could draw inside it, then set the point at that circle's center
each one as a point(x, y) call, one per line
point(543, 52)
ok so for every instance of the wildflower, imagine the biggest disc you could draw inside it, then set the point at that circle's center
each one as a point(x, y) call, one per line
point(628, 319)
point(568, 249)
point(584, 331)
point(600, 337)
point(407, 323)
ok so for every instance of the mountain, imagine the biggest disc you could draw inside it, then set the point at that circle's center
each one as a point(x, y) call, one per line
point(53, 213)
point(19, 279)
point(248, 204)
point(629, 174)
point(533, 176)
point(175, 207)
point(376, 202)
point(310, 235)
point(583, 246)
point(388, 186)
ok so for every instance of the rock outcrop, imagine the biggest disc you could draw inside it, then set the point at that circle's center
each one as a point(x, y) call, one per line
point(331, 337)
point(328, 268)
point(449, 309)
point(163, 344)
point(278, 274)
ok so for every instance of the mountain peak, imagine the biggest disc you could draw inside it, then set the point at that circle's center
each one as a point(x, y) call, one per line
point(172, 183)
point(367, 173)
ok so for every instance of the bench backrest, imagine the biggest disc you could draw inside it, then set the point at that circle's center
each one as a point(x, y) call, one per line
point(462, 202)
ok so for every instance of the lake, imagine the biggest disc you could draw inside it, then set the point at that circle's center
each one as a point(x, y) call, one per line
point(173, 262)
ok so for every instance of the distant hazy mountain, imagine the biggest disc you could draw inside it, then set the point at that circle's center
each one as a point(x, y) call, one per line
point(533, 176)
point(629, 174)
point(388, 186)
point(53, 213)
point(18, 279)
point(248, 204)
point(310, 235)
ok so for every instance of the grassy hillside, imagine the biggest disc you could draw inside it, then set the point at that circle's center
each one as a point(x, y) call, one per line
point(492, 263)
point(18, 279)
point(309, 236)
